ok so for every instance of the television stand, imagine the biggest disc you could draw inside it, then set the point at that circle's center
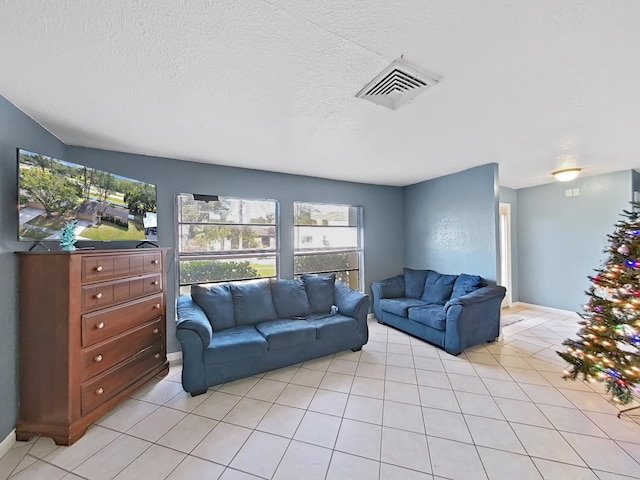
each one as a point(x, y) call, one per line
point(146, 242)
point(38, 243)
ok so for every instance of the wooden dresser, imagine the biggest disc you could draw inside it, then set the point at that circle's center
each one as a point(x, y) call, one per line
point(92, 330)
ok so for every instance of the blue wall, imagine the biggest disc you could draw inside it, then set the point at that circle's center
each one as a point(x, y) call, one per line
point(451, 223)
point(16, 130)
point(382, 206)
point(561, 239)
point(382, 211)
point(510, 196)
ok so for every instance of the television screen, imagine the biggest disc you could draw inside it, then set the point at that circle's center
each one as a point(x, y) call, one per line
point(106, 206)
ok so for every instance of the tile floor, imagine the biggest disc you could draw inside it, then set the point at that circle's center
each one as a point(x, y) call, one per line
point(399, 409)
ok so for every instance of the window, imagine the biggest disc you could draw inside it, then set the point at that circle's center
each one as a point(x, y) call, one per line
point(226, 239)
point(328, 239)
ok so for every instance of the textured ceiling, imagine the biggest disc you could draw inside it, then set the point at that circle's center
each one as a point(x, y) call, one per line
point(533, 85)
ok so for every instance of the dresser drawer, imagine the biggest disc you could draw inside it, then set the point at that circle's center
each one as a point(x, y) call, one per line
point(104, 355)
point(103, 387)
point(111, 266)
point(98, 295)
point(103, 324)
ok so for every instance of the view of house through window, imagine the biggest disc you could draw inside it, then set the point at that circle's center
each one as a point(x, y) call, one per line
point(227, 239)
point(327, 239)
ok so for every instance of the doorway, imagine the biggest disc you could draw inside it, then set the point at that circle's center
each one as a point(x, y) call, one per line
point(505, 252)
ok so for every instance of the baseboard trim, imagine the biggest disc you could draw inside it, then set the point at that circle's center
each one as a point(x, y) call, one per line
point(7, 443)
point(174, 358)
point(541, 307)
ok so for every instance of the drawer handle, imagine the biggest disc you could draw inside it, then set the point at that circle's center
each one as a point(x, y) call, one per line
point(157, 305)
point(156, 356)
point(99, 268)
point(155, 262)
point(100, 326)
point(99, 295)
point(99, 391)
point(97, 358)
point(155, 331)
point(156, 282)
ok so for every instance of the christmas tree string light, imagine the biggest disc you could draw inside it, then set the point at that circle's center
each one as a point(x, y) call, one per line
point(608, 345)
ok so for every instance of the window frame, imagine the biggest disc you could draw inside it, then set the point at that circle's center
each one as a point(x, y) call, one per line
point(226, 254)
point(359, 249)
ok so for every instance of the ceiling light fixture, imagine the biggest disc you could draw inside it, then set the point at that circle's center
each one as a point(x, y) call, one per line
point(566, 174)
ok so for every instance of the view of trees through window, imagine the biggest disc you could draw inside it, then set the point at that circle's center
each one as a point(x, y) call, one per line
point(327, 239)
point(226, 239)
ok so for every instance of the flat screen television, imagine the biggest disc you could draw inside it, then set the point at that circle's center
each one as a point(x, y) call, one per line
point(107, 207)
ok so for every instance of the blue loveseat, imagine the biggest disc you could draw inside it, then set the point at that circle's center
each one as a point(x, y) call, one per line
point(453, 312)
point(237, 329)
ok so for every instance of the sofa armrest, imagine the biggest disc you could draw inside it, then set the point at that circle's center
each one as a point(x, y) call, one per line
point(480, 295)
point(350, 302)
point(191, 317)
point(473, 318)
point(390, 288)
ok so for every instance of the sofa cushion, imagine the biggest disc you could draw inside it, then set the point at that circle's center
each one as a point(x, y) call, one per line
point(319, 291)
point(284, 333)
point(466, 284)
point(399, 306)
point(414, 282)
point(438, 287)
point(217, 303)
point(252, 302)
point(235, 345)
point(430, 315)
point(333, 326)
point(289, 298)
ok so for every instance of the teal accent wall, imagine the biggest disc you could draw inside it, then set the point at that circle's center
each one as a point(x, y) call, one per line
point(451, 223)
point(561, 240)
point(16, 130)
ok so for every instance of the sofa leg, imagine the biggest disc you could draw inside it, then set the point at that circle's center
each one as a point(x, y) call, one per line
point(198, 392)
point(357, 349)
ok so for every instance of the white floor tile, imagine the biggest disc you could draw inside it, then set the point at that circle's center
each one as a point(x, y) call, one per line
point(247, 412)
point(344, 466)
point(522, 412)
point(570, 420)
point(401, 392)
point(546, 443)
point(429, 378)
point(368, 387)
point(445, 424)
point(195, 468)
point(343, 366)
point(329, 402)
point(185, 402)
point(393, 472)
point(261, 454)
point(222, 443)
point(401, 374)
point(371, 370)
point(297, 396)
point(112, 459)
point(364, 409)
point(488, 432)
point(480, 405)
point(308, 377)
point(40, 470)
point(403, 416)
point(337, 382)
point(187, 433)
point(504, 389)
point(156, 462)
point(396, 360)
point(507, 465)
point(467, 383)
point(319, 429)
point(281, 420)
point(159, 422)
point(359, 438)
point(603, 454)
point(127, 415)
point(405, 449)
point(217, 405)
point(302, 457)
point(438, 398)
point(562, 471)
point(93, 441)
point(239, 387)
point(455, 460)
point(266, 390)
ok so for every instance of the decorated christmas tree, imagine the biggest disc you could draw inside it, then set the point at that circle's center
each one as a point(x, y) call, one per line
point(608, 344)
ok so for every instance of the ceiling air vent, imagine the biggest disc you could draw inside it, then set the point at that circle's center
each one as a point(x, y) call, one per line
point(397, 85)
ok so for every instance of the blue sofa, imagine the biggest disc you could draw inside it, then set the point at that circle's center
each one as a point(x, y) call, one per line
point(453, 312)
point(237, 329)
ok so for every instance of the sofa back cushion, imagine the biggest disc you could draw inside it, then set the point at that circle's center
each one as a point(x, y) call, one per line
point(217, 304)
point(289, 298)
point(438, 287)
point(252, 302)
point(414, 282)
point(466, 284)
point(319, 291)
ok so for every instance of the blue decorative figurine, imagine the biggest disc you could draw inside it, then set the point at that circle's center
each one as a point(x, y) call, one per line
point(68, 236)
